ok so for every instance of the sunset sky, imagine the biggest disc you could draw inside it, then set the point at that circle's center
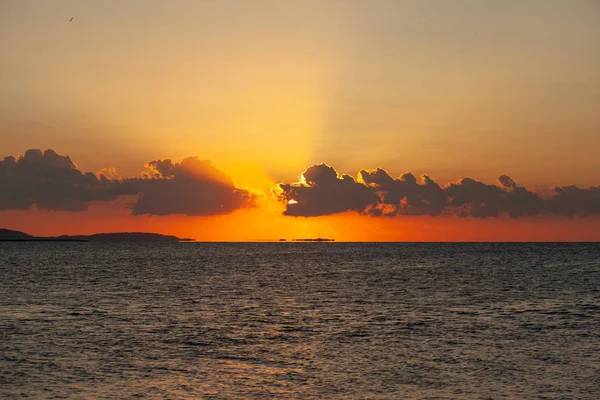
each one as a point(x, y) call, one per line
point(266, 89)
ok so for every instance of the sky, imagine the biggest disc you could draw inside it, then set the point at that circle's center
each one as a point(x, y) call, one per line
point(198, 118)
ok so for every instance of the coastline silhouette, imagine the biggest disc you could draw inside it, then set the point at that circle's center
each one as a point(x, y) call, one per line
point(7, 235)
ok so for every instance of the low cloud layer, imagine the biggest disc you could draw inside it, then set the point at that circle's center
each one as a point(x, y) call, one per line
point(321, 191)
point(192, 187)
point(52, 182)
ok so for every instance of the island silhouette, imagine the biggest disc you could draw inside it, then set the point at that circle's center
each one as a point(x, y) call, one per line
point(7, 235)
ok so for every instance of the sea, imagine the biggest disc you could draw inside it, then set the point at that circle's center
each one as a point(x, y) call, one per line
point(300, 320)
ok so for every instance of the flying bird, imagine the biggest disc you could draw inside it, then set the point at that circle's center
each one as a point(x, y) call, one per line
point(71, 19)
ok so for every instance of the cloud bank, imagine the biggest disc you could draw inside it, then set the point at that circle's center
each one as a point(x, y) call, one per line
point(53, 182)
point(192, 187)
point(322, 191)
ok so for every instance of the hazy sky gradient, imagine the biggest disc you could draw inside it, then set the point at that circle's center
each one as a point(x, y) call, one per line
point(266, 88)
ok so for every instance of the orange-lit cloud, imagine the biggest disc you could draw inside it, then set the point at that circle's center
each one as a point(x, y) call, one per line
point(191, 187)
point(321, 191)
point(194, 187)
point(53, 182)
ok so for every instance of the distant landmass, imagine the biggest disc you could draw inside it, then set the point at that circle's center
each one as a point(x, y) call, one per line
point(7, 235)
point(314, 240)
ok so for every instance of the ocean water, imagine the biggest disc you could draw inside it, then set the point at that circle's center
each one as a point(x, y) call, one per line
point(300, 320)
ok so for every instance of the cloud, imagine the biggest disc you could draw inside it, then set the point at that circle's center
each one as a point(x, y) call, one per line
point(322, 191)
point(404, 195)
point(53, 182)
point(192, 187)
point(469, 197)
point(571, 200)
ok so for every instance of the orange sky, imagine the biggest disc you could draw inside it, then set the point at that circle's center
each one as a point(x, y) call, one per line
point(267, 222)
point(265, 89)
point(260, 225)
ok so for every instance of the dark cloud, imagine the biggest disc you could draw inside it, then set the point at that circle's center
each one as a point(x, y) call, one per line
point(476, 199)
point(571, 200)
point(192, 187)
point(321, 191)
point(53, 182)
point(404, 195)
